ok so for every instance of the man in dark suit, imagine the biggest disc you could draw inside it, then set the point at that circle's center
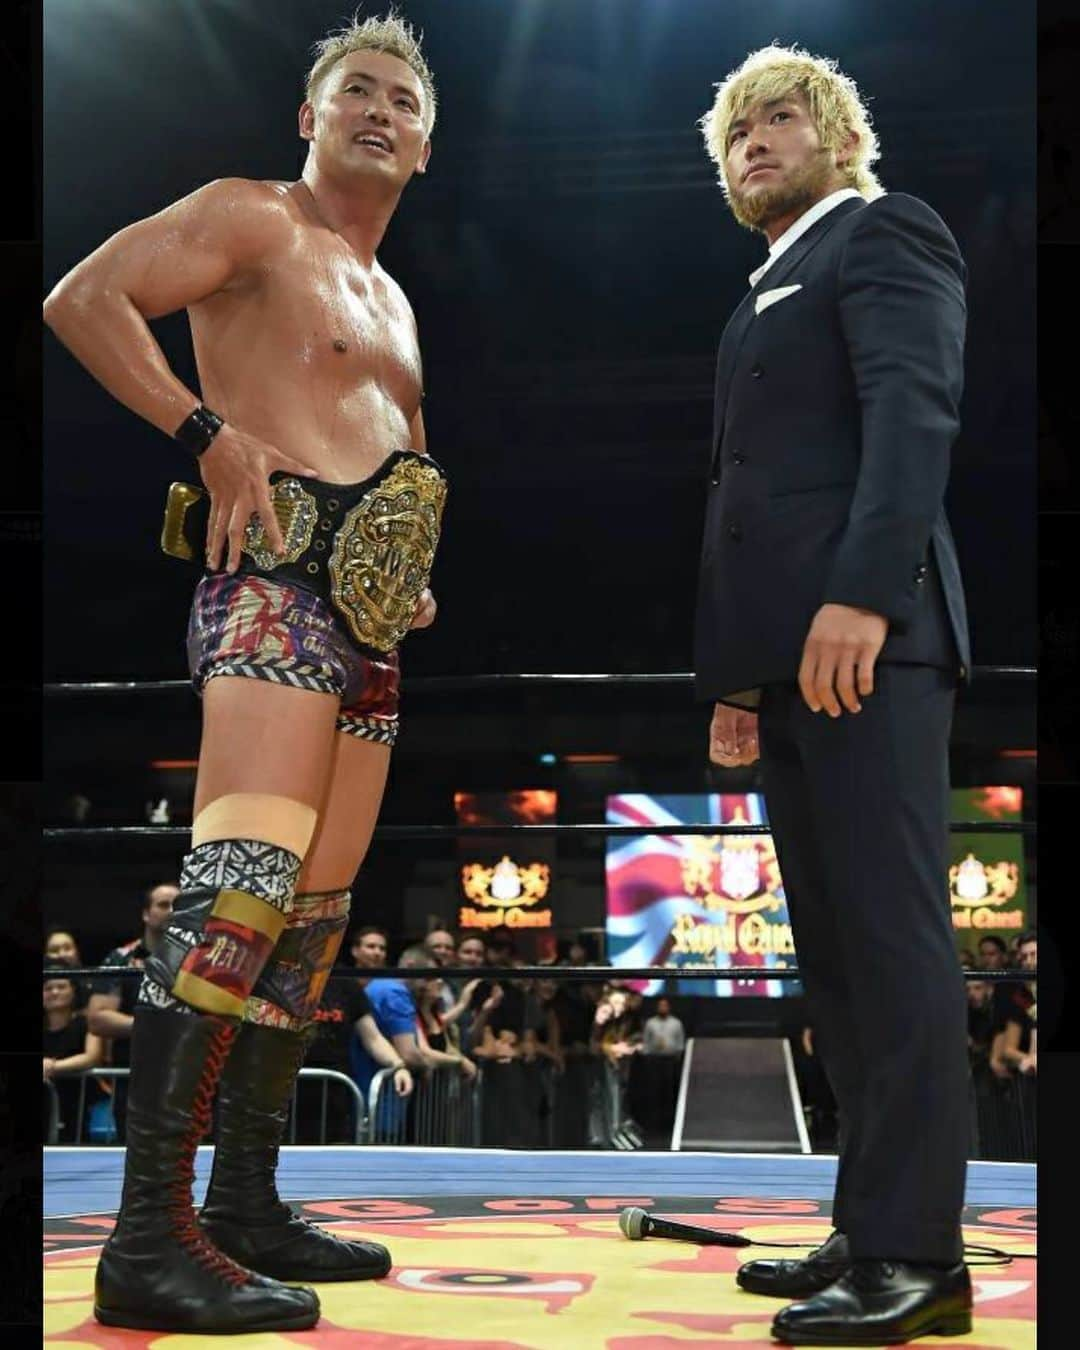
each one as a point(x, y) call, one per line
point(831, 635)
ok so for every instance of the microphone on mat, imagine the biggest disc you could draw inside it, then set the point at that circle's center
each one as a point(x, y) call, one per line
point(636, 1224)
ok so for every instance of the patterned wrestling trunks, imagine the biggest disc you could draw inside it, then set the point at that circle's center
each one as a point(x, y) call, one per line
point(250, 625)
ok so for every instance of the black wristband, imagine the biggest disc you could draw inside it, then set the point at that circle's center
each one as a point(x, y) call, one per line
point(197, 431)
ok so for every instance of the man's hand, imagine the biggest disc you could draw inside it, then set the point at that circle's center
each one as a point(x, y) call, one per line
point(236, 470)
point(467, 1067)
point(838, 658)
point(403, 1081)
point(49, 1065)
point(733, 736)
point(425, 611)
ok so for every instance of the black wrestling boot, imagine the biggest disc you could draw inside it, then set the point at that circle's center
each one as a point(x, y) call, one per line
point(798, 1279)
point(158, 1271)
point(881, 1303)
point(243, 1214)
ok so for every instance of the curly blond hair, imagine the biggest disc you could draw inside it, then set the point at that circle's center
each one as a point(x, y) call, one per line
point(390, 34)
point(836, 108)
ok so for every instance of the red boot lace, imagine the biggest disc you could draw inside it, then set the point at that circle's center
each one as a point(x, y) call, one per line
point(185, 1228)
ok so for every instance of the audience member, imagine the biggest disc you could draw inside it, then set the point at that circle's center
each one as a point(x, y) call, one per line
point(344, 1014)
point(110, 1011)
point(61, 949)
point(1013, 1049)
point(981, 1024)
point(69, 1047)
point(369, 947)
point(664, 1033)
point(470, 949)
point(993, 953)
point(441, 949)
point(393, 1005)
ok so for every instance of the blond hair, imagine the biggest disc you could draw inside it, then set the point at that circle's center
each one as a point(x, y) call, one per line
point(836, 109)
point(391, 35)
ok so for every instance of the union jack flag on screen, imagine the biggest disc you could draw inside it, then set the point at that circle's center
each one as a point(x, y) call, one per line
point(708, 901)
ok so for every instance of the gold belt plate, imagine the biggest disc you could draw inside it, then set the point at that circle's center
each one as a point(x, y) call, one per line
point(296, 511)
point(383, 552)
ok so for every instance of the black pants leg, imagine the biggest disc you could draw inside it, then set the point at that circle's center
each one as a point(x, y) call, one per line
point(858, 807)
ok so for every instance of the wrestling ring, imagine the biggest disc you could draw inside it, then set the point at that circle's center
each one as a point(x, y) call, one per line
point(498, 1248)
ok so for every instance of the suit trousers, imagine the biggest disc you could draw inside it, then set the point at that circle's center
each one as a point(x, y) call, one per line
point(858, 808)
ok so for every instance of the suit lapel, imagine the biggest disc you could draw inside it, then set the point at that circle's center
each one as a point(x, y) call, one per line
point(739, 323)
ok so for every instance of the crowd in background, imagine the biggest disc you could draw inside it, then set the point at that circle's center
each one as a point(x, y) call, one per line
point(565, 1063)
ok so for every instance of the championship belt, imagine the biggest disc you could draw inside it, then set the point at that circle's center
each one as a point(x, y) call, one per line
point(383, 552)
point(366, 548)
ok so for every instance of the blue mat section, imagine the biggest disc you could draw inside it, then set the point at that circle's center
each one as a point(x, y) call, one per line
point(88, 1180)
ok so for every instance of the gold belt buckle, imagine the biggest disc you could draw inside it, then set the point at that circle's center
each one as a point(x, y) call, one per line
point(383, 552)
point(182, 497)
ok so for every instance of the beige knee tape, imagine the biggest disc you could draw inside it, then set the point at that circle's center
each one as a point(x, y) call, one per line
point(256, 815)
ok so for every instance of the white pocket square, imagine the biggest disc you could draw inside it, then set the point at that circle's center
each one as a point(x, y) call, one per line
point(767, 298)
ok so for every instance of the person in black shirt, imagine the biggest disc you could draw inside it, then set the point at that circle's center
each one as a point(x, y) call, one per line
point(69, 1047)
point(110, 1011)
point(345, 1012)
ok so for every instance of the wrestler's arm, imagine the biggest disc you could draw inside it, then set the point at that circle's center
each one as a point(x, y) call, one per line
point(205, 243)
point(200, 245)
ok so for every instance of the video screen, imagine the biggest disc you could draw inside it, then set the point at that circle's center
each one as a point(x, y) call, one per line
point(717, 901)
point(705, 901)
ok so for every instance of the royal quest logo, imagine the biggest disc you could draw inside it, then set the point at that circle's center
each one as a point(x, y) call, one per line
point(978, 890)
point(506, 894)
point(735, 874)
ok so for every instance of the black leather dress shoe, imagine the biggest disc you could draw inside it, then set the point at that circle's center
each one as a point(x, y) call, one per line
point(797, 1279)
point(881, 1303)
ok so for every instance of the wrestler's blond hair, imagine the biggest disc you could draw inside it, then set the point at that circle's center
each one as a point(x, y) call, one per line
point(390, 34)
point(836, 108)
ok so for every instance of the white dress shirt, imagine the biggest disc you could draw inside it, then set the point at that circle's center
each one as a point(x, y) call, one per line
point(800, 226)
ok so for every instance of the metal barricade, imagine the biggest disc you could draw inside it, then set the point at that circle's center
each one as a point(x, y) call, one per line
point(1005, 1111)
point(327, 1076)
point(52, 1129)
point(443, 1109)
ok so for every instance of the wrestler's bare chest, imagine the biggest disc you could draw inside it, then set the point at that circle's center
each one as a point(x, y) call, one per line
point(314, 353)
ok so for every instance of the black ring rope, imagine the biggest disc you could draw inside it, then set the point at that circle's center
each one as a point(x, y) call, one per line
point(466, 683)
point(177, 833)
point(588, 974)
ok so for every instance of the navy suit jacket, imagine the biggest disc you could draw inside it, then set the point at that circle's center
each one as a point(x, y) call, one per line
point(836, 409)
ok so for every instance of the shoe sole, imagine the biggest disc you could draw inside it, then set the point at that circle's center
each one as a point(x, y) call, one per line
point(159, 1322)
point(751, 1287)
point(949, 1326)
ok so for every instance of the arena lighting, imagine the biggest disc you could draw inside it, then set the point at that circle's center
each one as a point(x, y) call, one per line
point(549, 758)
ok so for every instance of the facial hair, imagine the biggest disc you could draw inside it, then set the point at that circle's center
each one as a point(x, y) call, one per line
point(798, 191)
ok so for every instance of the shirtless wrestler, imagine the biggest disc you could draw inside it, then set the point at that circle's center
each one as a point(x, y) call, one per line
point(324, 513)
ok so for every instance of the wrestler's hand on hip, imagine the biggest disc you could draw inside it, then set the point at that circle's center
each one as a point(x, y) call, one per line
point(425, 611)
point(236, 470)
point(733, 736)
point(838, 658)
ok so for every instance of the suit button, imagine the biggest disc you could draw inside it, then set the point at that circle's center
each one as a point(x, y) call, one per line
point(735, 532)
point(920, 573)
point(716, 482)
point(756, 372)
point(738, 459)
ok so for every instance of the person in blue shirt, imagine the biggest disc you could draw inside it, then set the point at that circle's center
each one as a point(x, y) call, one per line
point(393, 1006)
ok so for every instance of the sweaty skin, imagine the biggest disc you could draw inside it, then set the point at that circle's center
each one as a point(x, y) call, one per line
point(265, 345)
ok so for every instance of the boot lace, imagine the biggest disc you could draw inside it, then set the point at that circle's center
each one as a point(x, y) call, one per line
point(185, 1227)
